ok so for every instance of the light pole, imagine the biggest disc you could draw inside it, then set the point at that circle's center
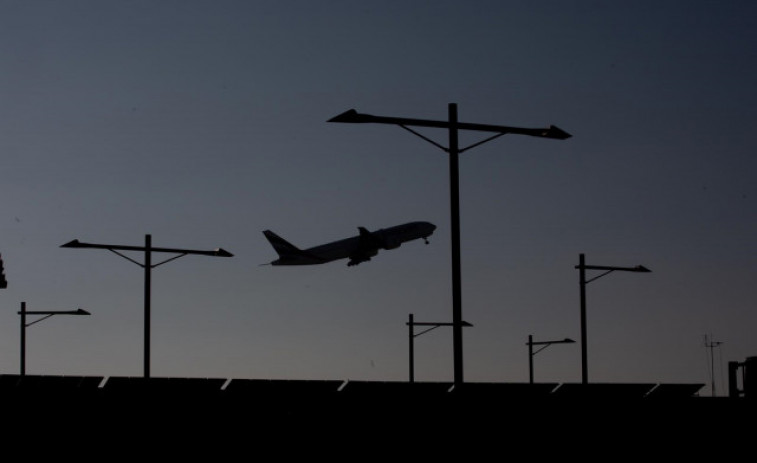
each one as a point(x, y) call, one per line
point(45, 315)
point(582, 268)
point(531, 343)
point(453, 126)
point(411, 323)
point(148, 249)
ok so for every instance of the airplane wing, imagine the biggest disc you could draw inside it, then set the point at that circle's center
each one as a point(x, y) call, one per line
point(367, 247)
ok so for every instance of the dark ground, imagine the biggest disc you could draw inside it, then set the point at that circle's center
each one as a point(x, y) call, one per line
point(210, 418)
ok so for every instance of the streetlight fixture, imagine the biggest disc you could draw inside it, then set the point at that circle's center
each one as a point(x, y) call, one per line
point(45, 315)
point(453, 126)
point(412, 335)
point(544, 344)
point(148, 249)
point(582, 267)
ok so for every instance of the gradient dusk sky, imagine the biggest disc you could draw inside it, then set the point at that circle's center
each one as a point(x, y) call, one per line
point(204, 123)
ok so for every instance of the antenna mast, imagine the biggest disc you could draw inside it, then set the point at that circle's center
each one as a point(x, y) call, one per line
point(710, 344)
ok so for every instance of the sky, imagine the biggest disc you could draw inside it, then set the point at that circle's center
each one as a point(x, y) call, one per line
point(203, 123)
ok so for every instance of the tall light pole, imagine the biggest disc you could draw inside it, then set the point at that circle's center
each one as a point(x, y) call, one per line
point(544, 344)
point(582, 268)
point(45, 315)
point(453, 126)
point(148, 249)
point(411, 323)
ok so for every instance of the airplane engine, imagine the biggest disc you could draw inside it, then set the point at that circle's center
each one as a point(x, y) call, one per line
point(365, 256)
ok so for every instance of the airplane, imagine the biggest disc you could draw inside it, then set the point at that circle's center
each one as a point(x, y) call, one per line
point(358, 248)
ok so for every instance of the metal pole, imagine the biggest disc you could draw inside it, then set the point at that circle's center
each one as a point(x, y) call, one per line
point(23, 339)
point(457, 311)
point(412, 353)
point(148, 267)
point(530, 359)
point(582, 281)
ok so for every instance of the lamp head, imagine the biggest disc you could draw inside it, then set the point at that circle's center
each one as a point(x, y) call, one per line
point(223, 253)
point(556, 132)
point(72, 244)
point(350, 116)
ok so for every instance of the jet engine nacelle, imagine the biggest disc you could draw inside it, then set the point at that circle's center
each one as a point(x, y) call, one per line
point(365, 256)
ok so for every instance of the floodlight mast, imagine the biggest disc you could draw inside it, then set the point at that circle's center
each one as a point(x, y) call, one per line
point(582, 268)
point(148, 249)
point(531, 352)
point(453, 126)
point(45, 315)
point(411, 323)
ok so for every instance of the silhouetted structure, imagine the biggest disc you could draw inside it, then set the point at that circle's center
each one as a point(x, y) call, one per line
point(45, 314)
point(411, 323)
point(605, 269)
point(453, 126)
point(147, 265)
point(544, 344)
point(748, 369)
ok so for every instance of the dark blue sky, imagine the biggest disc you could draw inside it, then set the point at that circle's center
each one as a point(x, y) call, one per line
point(204, 123)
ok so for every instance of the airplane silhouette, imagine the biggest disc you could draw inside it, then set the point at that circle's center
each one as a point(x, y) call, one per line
point(358, 248)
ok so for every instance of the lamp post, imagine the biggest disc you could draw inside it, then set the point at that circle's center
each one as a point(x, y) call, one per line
point(453, 126)
point(148, 249)
point(531, 343)
point(45, 315)
point(411, 323)
point(582, 268)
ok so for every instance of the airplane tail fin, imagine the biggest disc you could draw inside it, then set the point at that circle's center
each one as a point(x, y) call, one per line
point(282, 247)
point(289, 254)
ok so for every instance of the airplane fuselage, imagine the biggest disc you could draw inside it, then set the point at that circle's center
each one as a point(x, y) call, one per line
point(358, 248)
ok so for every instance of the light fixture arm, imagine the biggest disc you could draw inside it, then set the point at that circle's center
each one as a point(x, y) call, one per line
point(542, 348)
point(143, 265)
point(415, 335)
point(438, 145)
point(599, 276)
point(39, 320)
point(444, 148)
point(462, 150)
point(126, 257)
point(169, 260)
